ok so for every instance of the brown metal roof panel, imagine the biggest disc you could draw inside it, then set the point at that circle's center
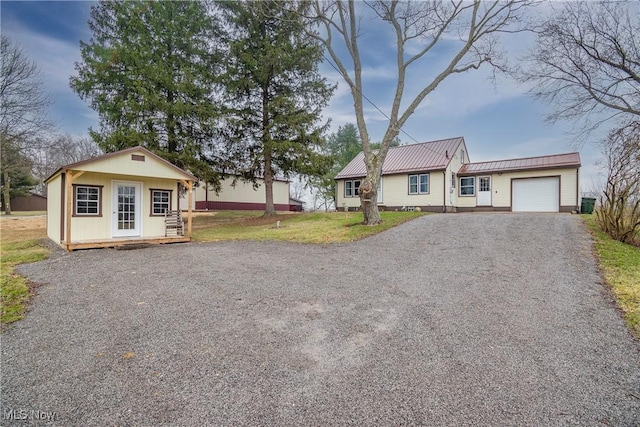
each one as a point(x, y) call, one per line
point(540, 162)
point(407, 158)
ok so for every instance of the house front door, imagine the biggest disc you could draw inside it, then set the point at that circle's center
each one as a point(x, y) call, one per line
point(484, 191)
point(126, 209)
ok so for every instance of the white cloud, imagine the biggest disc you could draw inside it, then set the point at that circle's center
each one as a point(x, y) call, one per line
point(56, 58)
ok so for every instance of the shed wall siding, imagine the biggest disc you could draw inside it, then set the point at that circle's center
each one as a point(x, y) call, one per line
point(54, 193)
point(98, 228)
point(150, 167)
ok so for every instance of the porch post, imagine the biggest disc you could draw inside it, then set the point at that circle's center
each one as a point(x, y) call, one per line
point(69, 195)
point(69, 177)
point(189, 211)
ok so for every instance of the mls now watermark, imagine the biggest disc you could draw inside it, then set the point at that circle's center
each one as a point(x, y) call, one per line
point(28, 415)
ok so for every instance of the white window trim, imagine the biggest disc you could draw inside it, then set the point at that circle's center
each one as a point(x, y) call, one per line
point(354, 188)
point(418, 175)
point(76, 200)
point(153, 202)
point(465, 186)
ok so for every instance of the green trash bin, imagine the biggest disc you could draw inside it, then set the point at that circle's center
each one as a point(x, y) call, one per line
point(587, 205)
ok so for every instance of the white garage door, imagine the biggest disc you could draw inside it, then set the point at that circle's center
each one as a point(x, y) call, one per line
point(536, 195)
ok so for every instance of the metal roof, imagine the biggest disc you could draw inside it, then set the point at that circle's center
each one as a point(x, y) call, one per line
point(528, 163)
point(425, 156)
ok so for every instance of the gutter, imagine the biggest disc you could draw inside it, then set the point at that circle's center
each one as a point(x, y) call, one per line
point(577, 189)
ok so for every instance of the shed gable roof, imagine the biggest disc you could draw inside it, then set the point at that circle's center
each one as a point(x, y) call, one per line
point(433, 155)
point(134, 161)
point(528, 163)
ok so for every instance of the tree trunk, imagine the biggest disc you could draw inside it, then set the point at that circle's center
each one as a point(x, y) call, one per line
point(270, 209)
point(172, 145)
point(371, 213)
point(369, 201)
point(266, 146)
point(6, 190)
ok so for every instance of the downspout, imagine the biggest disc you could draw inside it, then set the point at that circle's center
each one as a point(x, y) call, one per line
point(578, 190)
point(444, 191)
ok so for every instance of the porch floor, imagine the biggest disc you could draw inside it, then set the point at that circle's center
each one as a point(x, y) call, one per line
point(122, 241)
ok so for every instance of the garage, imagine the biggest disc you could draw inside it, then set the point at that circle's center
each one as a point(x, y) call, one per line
point(536, 194)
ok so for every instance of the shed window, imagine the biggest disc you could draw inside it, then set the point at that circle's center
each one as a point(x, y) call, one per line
point(468, 186)
point(160, 201)
point(352, 188)
point(87, 200)
point(419, 184)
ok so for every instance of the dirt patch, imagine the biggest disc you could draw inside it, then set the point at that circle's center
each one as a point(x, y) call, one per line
point(210, 219)
point(22, 228)
point(23, 222)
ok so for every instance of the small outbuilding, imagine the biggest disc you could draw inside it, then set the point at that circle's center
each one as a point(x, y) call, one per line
point(125, 197)
point(29, 203)
point(236, 194)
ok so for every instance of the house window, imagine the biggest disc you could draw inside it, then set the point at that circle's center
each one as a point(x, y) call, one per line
point(87, 200)
point(468, 186)
point(160, 201)
point(419, 184)
point(462, 156)
point(352, 188)
point(453, 180)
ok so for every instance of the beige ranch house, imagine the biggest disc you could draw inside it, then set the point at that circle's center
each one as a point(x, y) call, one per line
point(125, 197)
point(438, 176)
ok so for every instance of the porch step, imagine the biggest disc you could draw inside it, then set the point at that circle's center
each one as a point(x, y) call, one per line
point(129, 246)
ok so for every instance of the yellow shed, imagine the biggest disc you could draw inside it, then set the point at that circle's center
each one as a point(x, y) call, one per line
point(124, 197)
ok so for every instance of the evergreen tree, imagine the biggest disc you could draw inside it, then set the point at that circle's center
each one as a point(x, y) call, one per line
point(16, 178)
point(344, 145)
point(275, 92)
point(150, 73)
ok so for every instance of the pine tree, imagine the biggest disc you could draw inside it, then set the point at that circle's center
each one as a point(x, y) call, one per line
point(150, 73)
point(275, 92)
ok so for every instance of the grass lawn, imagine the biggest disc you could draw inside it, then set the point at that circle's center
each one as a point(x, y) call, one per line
point(620, 264)
point(19, 243)
point(331, 227)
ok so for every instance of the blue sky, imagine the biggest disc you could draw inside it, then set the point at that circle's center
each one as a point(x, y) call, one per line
point(497, 121)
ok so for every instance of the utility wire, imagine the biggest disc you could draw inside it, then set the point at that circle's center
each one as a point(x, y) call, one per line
point(371, 102)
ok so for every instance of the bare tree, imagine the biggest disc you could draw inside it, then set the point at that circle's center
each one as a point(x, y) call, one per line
point(23, 110)
point(619, 210)
point(586, 62)
point(60, 150)
point(471, 26)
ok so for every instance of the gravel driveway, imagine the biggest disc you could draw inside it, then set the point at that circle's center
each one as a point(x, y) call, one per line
point(466, 319)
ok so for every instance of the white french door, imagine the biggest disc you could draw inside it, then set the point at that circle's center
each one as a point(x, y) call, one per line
point(126, 208)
